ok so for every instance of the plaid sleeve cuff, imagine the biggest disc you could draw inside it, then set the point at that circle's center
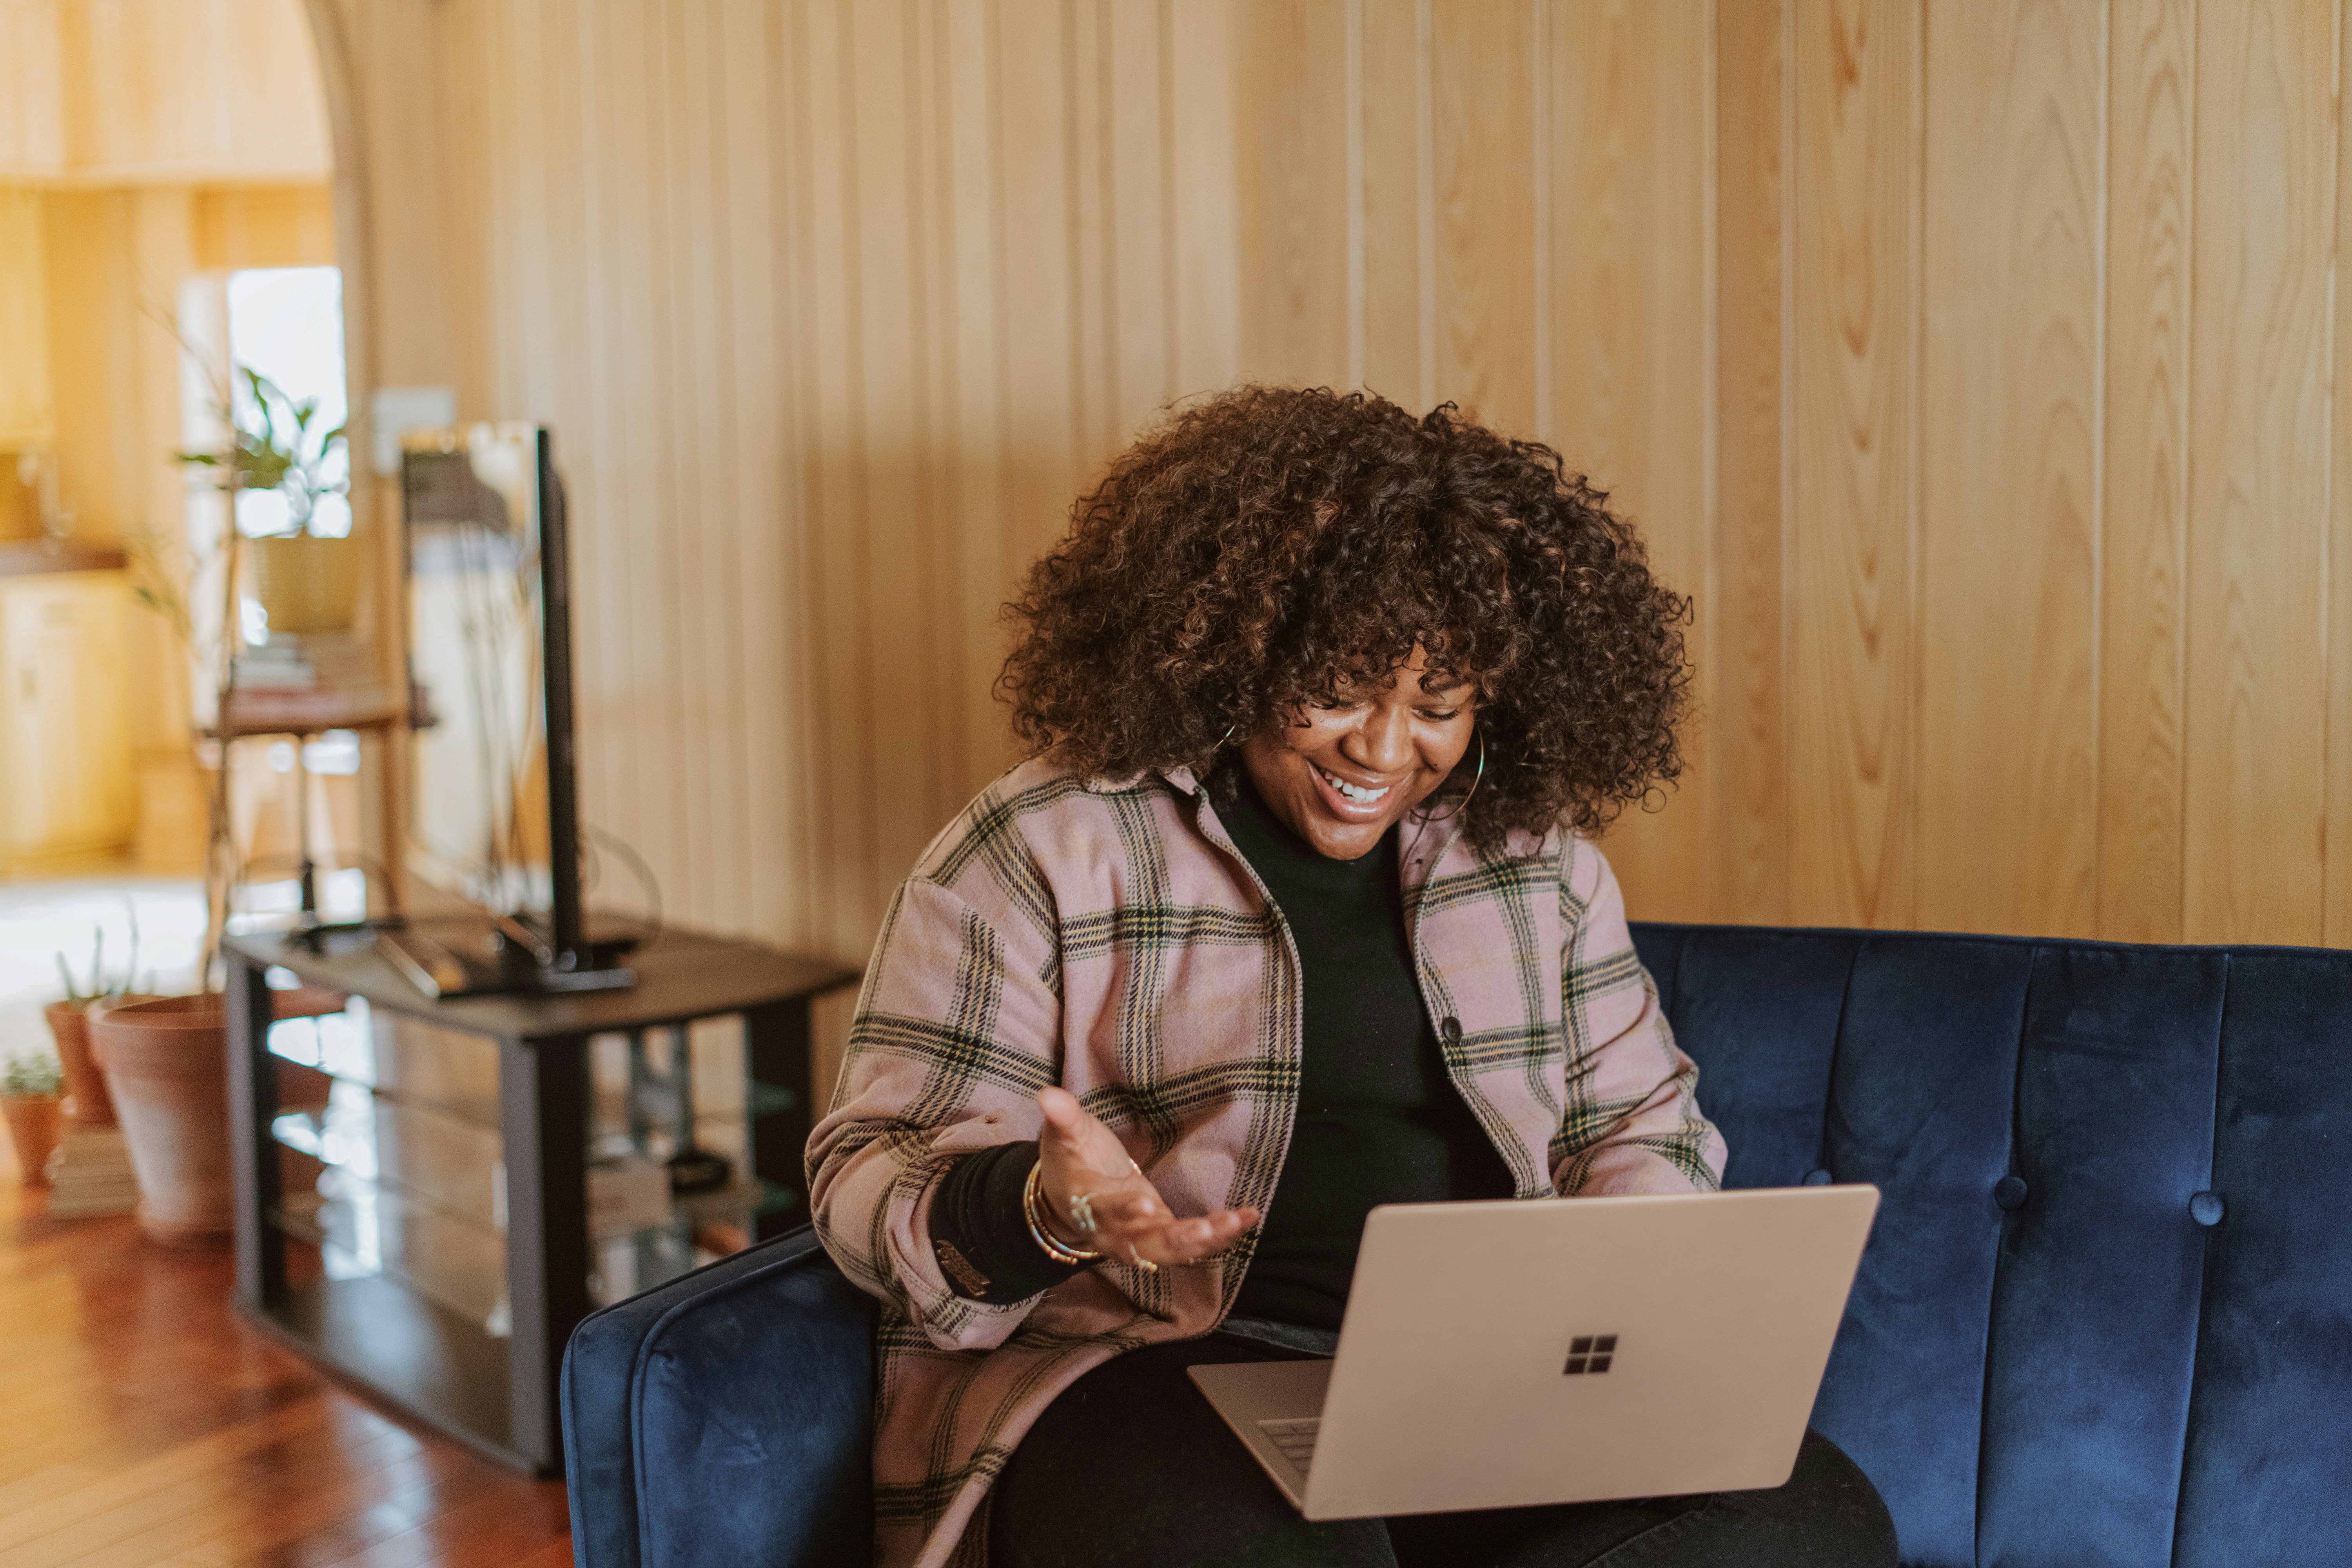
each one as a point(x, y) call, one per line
point(981, 1238)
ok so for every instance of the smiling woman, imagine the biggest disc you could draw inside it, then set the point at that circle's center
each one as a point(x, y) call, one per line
point(1294, 912)
point(1263, 551)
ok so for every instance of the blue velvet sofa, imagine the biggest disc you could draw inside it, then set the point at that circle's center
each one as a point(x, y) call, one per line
point(2105, 1316)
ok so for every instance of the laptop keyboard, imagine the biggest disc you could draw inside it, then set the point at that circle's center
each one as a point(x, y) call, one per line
point(1295, 1439)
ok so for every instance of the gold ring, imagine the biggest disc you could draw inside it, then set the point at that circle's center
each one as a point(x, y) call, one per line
point(1082, 1211)
point(1141, 1262)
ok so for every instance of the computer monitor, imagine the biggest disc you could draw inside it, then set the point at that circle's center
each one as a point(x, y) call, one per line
point(493, 813)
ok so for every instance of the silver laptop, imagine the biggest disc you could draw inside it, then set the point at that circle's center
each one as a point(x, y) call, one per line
point(1508, 1354)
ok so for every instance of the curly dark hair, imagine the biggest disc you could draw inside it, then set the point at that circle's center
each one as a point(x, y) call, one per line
point(1261, 548)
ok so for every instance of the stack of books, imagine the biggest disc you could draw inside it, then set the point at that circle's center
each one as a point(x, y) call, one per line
point(90, 1172)
point(304, 683)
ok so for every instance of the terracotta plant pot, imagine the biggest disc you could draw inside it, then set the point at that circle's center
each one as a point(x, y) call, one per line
point(33, 1123)
point(87, 1101)
point(166, 1062)
point(307, 585)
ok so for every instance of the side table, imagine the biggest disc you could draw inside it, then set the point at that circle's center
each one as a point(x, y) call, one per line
point(413, 1175)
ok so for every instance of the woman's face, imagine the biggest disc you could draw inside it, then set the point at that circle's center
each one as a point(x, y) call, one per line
point(1340, 776)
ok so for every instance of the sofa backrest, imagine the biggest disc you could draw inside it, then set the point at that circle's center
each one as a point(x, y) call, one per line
point(2106, 1313)
point(725, 1418)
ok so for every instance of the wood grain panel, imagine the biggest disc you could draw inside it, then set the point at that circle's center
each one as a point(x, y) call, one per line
point(2005, 619)
point(1294, 192)
point(967, 245)
point(2144, 519)
point(195, 91)
point(2258, 497)
point(1396, 159)
point(896, 442)
point(265, 225)
point(1853, 316)
point(833, 353)
point(1748, 710)
point(1205, 243)
point(32, 73)
point(2009, 459)
point(1628, 350)
point(2335, 915)
point(1482, 84)
point(1135, 78)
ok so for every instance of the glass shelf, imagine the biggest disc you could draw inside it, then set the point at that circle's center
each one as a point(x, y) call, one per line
point(421, 1152)
point(397, 1058)
point(364, 1230)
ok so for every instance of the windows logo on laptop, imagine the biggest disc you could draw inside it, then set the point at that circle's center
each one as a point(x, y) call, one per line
point(1589, 1353)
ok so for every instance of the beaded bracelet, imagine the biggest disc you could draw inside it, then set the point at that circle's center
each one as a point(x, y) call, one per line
point(1037, 1232)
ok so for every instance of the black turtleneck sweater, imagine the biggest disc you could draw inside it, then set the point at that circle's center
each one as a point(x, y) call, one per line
point(1379, 1121)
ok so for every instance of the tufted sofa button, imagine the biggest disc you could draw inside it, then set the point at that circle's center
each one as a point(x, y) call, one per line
point(1452, 1029)
point(1816, 1178)
point(2206, 1209)
point(2009, 1192)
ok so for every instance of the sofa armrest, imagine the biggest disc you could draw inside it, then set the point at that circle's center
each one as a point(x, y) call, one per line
point(726, 1417)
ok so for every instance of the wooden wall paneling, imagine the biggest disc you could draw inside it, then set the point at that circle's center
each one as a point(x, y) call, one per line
point(265, 225)
point(194, 91)
point(1042, 456)
point(931, 262)
point(1087, 171)
point(809, 910)
point(973, 481)
point(32, 71)
point(1138, 192)
point(710, 510)
point(2008, 722)
point(1747, 700)
point(831, 347)
point(2336, 894)
point(27, 409)
point(768, 671)
point(2258, 501)
point(1853, 318)
point(1395, 161)
point(1483, 70)
point(1630, 168)
point(677, 250)
point(2145, 462)
point(639, 693)
point(1294, 192)
point(910, 793)
point(1204, 243)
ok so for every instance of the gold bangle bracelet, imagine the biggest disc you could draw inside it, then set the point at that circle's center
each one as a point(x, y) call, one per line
point(1037, 1232)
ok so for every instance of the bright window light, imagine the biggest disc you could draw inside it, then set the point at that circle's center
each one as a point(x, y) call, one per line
point(288, 323)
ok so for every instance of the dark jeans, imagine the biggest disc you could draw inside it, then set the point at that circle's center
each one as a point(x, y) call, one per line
point(1130, 1465)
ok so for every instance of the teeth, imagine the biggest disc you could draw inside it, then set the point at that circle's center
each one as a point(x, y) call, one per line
point(1360, 796)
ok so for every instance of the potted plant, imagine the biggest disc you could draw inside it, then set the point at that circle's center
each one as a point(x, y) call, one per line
point(30, 1099)
point(87, 1102)
point(306, 582)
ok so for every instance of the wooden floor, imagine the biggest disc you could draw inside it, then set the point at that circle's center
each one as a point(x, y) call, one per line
point(142, 1423)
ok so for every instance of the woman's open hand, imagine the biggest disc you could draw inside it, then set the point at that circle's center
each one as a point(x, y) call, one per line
point(1084, 1169)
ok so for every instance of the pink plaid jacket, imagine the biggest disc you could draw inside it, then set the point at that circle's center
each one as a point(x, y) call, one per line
point(1106, 935)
